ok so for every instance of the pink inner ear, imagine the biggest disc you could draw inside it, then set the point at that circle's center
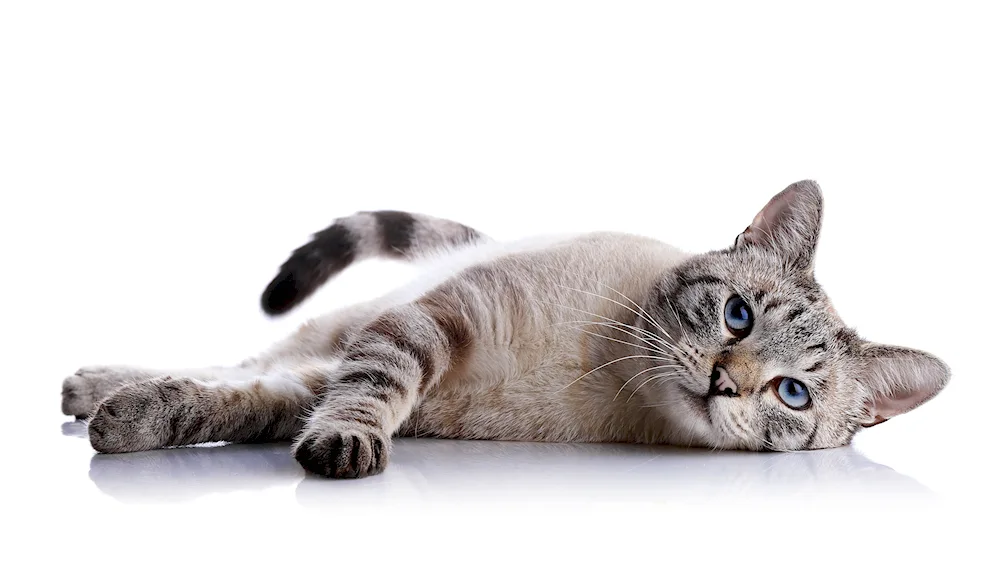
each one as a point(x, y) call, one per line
point(765, 221)
point(885, 407)
point(760, 225)
point(878, 420)
point(769, 214)
point(900, 379)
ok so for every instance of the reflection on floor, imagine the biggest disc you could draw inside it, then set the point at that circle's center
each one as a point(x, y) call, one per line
point(432, 470)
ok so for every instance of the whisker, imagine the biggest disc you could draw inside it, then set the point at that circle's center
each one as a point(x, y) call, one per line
point(648, 315)
point(621, 341)
point(642, 314)
point(653, 378)
point(652, 341)
point(636, 375)
point(610, 363)
point(636, 328)
point(629, 326)
point(677, 316)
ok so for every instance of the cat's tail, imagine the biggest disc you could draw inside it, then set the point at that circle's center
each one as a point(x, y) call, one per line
point(392, 234)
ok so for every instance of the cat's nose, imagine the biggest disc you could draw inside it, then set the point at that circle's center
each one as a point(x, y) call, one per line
point(720, 384)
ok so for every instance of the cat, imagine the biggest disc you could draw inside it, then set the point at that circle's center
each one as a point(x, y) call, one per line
point(600, 337)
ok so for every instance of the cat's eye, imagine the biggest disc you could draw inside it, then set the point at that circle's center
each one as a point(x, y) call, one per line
point(792, 393)
point(739, 317)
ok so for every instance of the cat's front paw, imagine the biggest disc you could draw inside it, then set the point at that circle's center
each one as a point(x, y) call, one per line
point(343, 454)
point(138, 417)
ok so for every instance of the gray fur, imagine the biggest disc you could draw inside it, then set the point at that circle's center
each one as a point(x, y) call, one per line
point(602, 337)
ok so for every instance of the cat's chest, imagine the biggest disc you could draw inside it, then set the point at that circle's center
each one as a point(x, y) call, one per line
point(546, 384)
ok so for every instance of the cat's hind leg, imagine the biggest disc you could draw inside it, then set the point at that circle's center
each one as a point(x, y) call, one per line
point(85, 389)
point(170, 411)
point(322, 336)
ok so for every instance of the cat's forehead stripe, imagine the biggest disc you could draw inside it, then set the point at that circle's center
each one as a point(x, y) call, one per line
point(794, 313)
point(815, 367)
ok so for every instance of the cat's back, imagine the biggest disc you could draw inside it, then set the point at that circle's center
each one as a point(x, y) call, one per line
point(526, 280)
point(567, 258)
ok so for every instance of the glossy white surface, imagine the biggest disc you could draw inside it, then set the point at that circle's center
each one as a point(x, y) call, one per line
point(439, 470)
point(464, 493)
point(158, 161)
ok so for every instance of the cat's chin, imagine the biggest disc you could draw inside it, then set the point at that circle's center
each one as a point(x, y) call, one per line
point(691, 403)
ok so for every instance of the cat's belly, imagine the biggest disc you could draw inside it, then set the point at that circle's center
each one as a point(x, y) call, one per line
point(503, 414)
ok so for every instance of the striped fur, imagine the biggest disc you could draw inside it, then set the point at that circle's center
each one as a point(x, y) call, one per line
point(600, 337)
point(390, 234)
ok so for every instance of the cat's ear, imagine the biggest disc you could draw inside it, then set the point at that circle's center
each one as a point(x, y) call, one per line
point(898, 379)
point(788, 225)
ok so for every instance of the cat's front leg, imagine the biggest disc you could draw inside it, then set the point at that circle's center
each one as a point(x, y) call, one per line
point(391, 363)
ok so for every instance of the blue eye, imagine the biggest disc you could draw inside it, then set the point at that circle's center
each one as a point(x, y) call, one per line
point(739, 317)
point(793, 393)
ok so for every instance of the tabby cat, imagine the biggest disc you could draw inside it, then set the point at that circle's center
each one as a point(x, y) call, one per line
point(600, 337)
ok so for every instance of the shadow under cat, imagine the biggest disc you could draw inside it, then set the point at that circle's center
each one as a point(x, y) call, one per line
point(430, 470)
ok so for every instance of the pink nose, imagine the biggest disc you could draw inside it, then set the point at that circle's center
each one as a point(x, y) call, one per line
point(720, 384)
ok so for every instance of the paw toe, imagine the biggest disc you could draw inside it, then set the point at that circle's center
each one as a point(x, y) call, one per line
point(342, 455)
point(109, 434)
point(106, 436)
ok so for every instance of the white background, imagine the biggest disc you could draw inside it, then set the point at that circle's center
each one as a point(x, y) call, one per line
point(159, 161)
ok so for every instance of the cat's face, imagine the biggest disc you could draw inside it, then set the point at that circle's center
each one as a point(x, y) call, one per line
point(763, 360)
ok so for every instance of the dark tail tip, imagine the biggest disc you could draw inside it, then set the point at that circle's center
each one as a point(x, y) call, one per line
point(281, 295)
point(299, 277)
point(308, 267)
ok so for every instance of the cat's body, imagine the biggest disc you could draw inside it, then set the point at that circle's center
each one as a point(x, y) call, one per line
point(598, 337)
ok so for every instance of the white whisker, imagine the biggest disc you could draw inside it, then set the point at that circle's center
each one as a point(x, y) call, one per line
point(636, 328)
point(617, 326)
point(648, 315)
point(643, 314)
point(653, 378)
point(613, 361)
point(653, 349)
point(636, 375)
point(616, 322)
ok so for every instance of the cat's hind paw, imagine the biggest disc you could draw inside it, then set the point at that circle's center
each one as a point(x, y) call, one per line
point(138, 417)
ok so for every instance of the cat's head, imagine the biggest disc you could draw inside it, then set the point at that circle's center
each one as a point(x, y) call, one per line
point(764, 360)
